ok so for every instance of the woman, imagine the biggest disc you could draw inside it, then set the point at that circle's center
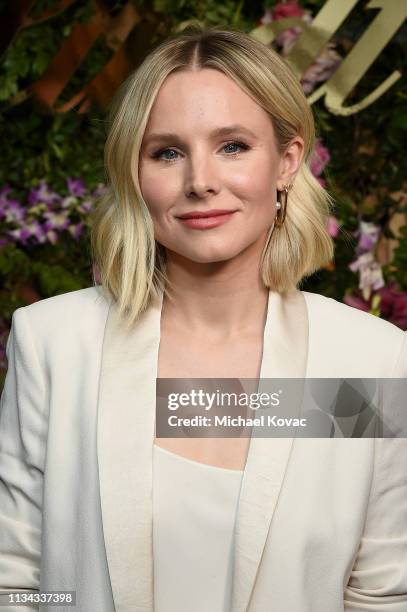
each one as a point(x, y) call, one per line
point(211, 121)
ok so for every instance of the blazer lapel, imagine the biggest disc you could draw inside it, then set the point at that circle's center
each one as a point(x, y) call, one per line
point(125, 434)
point(285, 352)
point(126, 420)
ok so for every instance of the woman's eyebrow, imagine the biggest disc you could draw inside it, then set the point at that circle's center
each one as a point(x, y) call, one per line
point(221, 131)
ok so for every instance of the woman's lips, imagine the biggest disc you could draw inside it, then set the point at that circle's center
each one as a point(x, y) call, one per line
point(207, 222)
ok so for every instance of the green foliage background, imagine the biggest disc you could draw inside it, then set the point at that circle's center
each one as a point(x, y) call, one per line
point(39, 145)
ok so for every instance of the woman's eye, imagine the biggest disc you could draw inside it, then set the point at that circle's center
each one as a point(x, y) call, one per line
point(240, 145)
point(169, 155)
point(159, 154)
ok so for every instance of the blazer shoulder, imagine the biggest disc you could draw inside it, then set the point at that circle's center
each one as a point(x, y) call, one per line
point(339, 312)
point(80, 309)
point(360, 335)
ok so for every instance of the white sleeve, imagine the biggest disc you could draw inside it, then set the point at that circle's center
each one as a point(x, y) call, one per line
point(23, 427)
point(378, 580)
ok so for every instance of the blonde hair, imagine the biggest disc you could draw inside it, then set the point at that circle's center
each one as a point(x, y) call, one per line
point(131, 265)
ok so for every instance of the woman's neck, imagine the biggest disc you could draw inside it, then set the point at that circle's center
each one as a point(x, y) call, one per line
point(218, 300)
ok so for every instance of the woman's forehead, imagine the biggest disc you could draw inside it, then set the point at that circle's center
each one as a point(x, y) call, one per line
point(207, 97)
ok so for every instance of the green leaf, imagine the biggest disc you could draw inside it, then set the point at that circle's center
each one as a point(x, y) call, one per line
point(399, 121)
point(54, 279)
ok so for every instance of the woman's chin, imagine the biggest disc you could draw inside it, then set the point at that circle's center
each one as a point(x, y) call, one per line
point(212, 255)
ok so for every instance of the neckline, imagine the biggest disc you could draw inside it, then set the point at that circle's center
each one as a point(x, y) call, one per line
point(265, 359)
point(183, 459)
point(266, 350)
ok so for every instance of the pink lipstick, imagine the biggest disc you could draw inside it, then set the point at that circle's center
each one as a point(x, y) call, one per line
point(207, 219)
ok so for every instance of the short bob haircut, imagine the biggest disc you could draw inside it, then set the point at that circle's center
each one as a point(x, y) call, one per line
point(131, 264)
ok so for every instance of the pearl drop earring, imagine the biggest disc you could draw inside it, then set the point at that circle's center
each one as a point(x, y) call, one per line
point(283, 194)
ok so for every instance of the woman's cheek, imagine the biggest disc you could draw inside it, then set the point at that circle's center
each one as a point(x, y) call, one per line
point(154, 195)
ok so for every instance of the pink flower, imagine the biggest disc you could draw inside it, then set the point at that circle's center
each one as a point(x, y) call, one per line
point(319, 159)
point(4, 333)
point(356, 302)
point(321, 69)
point(393, 305)
point(287, 39)
point(96, 273)
point(283, 10)
point(333, 226)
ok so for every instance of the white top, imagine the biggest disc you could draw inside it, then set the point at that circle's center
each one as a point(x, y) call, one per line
point(194, 512)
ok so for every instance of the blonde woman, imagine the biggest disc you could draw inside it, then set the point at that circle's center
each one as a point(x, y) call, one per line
point(213, 125)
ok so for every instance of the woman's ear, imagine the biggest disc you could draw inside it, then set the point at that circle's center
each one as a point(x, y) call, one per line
point(290, 162)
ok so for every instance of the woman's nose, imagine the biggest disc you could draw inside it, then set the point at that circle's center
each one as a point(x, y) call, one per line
point(201, 179)
point(200, 190)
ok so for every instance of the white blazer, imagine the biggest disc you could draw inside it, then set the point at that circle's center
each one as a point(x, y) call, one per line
point(321, 523)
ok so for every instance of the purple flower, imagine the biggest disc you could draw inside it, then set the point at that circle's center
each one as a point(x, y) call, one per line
point(4, 191)
point(47, 213)
point(52, 236)
point(76, 187)
point(36, 231)
point(19, 235)
point(370, 273)
point(56, 220)
point(99, 191)
point(42, 193)
point(69, 201)
point(12, 211)
point(368, 234)
point(76, 230)
point(85, 206)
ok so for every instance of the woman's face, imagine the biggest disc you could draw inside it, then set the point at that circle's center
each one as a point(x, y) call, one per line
point(208, 145)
